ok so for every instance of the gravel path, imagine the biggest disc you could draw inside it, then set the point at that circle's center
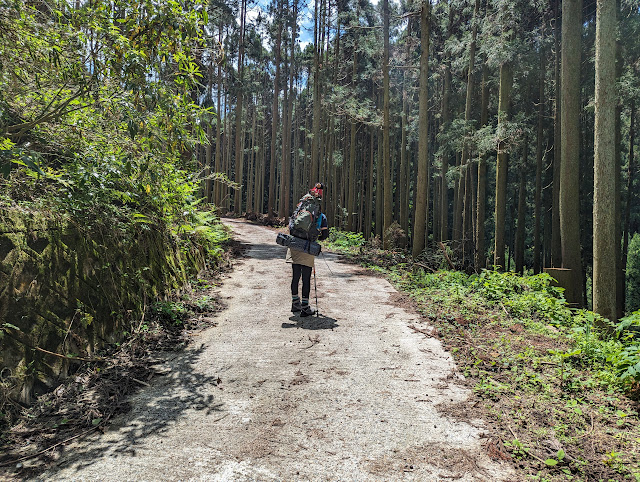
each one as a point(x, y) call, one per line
point(353, 394)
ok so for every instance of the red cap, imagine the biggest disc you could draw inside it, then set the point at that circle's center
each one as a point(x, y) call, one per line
point(317, 189)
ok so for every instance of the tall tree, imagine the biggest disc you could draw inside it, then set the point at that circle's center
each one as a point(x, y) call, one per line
point(482, 176)
point(604, 214)
point(504, 113)
point(239, 131)
point(275, 113)
point(556, 246)
point(537, 204)
point(386, 151)
point(569, 199)
point(422, 186)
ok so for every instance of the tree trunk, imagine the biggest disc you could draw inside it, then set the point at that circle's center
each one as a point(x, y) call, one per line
point(538, 194)
point(522, 202)
point(504, 112)
point(351, 204)
point(379, 189)
point(627, 211)
point(620, 270)
point(285, 134)
point(275, 119)
point(218, 160)
point(467, 230)
point(239, 131)
point(386, 154)
point(403, 181)
point(569, 200)
point(556, 246)
point(251, 174)
point(369, 211)
point(422, 187)
point(316, 117)
point(604, 192)
point(481, 202)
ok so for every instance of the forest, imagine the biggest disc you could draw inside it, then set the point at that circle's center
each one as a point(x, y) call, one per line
point(499, 128)
point(466, 147)
point(505, 129)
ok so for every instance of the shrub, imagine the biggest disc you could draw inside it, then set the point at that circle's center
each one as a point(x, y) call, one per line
point(344, 239)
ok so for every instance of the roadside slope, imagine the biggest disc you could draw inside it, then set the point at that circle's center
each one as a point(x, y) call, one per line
point(352, 394)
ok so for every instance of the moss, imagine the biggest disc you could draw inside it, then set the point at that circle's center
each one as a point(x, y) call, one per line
point(69, 288)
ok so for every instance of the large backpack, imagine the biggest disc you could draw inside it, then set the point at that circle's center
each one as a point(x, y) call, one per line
point(304, 220)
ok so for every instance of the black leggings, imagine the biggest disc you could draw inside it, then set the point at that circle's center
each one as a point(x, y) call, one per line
point(305, 271)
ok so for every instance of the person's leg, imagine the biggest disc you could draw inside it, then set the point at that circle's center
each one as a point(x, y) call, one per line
point(295, 299)
point(306, 289)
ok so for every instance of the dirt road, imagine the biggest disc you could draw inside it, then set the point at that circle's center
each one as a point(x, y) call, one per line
point(354, 394)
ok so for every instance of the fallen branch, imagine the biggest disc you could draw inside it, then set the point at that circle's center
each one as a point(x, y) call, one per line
point(418, 330)
point(37, 348)
point(140, 382)
point(27, 457)
point(70, 358)
point(425, 267)
point(505, 310)
point(528, 451)
point(446, 256)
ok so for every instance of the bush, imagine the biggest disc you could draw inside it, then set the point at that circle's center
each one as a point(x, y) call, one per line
point(344, 239)
point(524, 296)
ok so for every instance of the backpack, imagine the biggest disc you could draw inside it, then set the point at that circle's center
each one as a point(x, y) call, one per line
point(304, 220)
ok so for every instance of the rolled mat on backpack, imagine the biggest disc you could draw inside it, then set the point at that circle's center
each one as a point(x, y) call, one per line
point(298, 244)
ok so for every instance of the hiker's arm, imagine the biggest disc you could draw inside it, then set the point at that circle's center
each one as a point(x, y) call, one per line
point(324, 228)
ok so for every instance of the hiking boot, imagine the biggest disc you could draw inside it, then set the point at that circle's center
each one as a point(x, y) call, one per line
point(306, 310)
point(295, 307)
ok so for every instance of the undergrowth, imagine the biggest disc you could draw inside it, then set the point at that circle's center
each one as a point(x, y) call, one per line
point(558, 386)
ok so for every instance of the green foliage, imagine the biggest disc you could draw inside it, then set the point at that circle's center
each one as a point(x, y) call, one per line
point(171, 312)
point(344, 240)
point(106, 138)
point(533, 301)
point(531, 297)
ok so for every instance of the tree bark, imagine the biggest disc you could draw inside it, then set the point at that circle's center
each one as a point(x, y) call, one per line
point(386, 154)
point(569, 199)
point(504, 112)
point(239, 131)
point(422, 187)
point(352, 150)
point(627, 210)
point(604, 189)
point(556, 246)
point(467, 224)
point(275, 118)
point(218, 160)
point(481, 202)
point(538, 194)
point(522, 202)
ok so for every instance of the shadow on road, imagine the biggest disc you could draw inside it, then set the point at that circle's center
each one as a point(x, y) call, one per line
point(183, 389)
point(321, 322)
point(266, 251)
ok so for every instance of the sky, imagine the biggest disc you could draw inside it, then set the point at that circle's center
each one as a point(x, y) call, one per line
point(305, 35)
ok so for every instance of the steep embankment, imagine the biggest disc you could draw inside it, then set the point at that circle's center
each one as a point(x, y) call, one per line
point(69, 289)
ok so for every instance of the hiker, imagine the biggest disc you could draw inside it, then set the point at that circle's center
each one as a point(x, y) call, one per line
point(303, 263)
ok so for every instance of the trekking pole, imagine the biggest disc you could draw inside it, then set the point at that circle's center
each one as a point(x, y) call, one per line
point(315, 286)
